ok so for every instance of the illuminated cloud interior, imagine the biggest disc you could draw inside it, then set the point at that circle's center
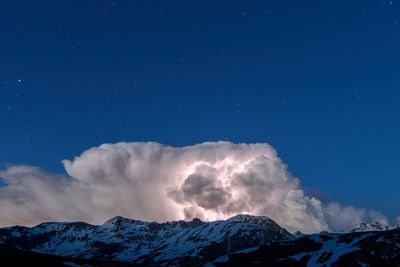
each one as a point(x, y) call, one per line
point(151, 181)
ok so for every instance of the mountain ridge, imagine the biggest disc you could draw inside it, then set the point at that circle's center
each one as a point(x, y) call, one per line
point(374, 226)
point(126, 239)
point(240, 239)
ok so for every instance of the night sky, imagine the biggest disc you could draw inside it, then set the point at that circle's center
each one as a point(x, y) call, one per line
point(317, 80)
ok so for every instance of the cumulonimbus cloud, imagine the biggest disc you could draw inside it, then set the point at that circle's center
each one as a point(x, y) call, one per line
point(151, 181)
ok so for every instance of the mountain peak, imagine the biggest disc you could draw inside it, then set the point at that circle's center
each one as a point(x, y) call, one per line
point(119, 221)
point(196, 222)
point(298, 234)
point(371, 226)
point(126, 239)
point(260, 220)
point(396, 225)
point(246, 217)
point(198, 243)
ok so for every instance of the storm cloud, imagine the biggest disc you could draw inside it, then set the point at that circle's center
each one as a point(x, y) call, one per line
point(151, 181)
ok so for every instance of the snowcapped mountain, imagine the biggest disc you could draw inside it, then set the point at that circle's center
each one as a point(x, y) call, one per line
point(210, 240)
point(260, 220)
point(381, 248)
point(374, 226)
point(238, 241)
point(371, 226)
point(297, 234)
point(397, 224)
point(125, 239)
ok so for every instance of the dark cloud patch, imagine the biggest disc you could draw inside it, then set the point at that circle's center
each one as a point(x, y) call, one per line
point(204, 191)
point(177, 195)
point(196, 184)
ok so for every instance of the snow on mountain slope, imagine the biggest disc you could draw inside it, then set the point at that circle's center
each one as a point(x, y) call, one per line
point(238, 241)
point(371, 226)
point(297, 234)
point(128, 240)
point(117, 238)
point(379, 248)
point(222, 237)
point(260, 220)
point(397, 224)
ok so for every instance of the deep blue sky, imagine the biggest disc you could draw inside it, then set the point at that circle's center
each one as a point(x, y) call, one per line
point(318, 80)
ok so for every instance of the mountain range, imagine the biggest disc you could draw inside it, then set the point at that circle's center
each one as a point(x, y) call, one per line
point(238, 241)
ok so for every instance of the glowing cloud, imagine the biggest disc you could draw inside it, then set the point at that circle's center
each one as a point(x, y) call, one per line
point(150, 181)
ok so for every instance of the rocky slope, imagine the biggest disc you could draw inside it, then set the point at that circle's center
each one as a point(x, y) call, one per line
point(129, 240)
point(379, 248)
point(371, 226)
point(374, 226)
point(242, 240)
